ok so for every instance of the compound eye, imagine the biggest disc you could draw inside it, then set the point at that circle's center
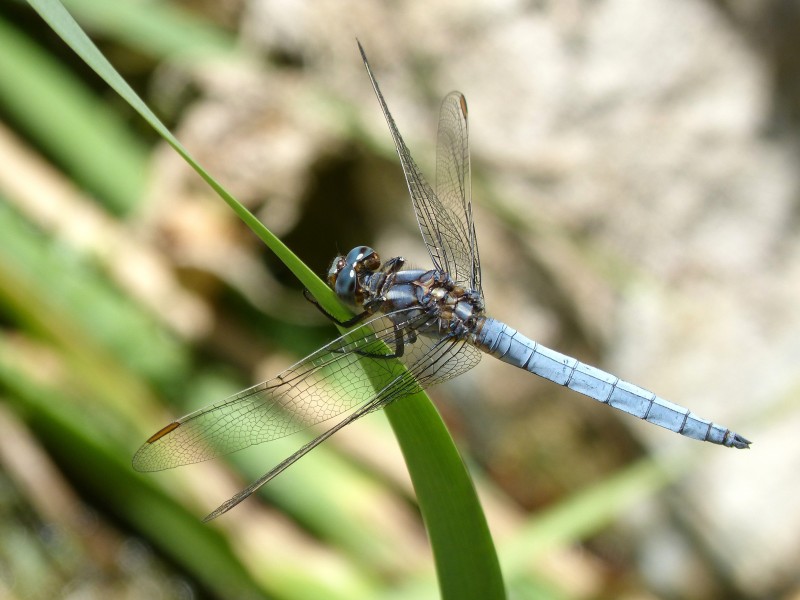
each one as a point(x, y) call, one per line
point(345, 285)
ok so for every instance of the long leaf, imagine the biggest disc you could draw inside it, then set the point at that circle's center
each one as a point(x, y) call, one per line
point(466, 560)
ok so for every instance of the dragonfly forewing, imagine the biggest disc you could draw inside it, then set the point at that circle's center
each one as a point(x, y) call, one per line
point(338, 377)
point(438, 224)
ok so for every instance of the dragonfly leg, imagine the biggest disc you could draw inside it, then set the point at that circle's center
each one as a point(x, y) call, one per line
point(371, 307)
point(399, 348)
point(394, 265)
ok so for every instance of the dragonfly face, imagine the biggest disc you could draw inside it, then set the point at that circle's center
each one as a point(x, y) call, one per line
point(344, 273)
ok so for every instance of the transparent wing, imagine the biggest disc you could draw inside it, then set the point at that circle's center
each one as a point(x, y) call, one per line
point(445, 228)
point(323, 385)
point(336, 378)
point(430, 361)
point(453, 186)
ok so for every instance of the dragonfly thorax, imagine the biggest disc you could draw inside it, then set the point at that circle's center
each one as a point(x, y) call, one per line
point(460, 311)
point(361, 281)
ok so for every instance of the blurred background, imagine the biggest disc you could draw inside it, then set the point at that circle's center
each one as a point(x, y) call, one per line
point(636, 177)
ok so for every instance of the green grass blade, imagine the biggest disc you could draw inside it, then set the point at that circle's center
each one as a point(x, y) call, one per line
point(93, 461)
point(158, 28)
point(588, 512)
point(77, 129)
point(466, 560)
point(54, 13)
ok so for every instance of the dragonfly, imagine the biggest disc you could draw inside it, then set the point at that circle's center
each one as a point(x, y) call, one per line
point(412, 328)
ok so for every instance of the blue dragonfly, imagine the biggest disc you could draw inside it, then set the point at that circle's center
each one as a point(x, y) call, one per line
point(412, 328)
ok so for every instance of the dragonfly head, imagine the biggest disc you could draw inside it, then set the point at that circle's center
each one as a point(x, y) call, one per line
point(343, 276)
